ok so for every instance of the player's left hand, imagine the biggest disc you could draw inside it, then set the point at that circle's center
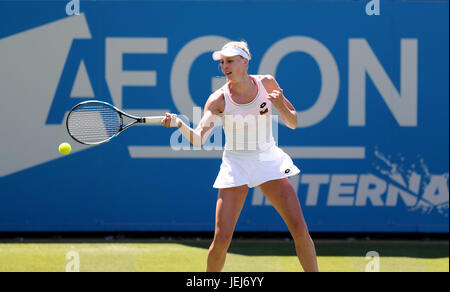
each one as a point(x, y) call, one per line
point(277, 98)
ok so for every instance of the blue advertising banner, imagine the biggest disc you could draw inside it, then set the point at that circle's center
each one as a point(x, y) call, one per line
point(369, 80)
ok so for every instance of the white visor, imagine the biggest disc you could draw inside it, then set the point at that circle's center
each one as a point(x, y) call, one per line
point(230, 51)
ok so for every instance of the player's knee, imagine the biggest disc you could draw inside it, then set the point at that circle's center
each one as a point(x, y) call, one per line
point(222, 240)
point(300, 231)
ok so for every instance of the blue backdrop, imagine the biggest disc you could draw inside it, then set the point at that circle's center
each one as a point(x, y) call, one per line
point(371, 91)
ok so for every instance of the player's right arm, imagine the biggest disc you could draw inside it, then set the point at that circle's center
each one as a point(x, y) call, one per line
point(214, 108)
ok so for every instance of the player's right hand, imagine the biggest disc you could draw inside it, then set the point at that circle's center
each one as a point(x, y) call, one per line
point(170, 120)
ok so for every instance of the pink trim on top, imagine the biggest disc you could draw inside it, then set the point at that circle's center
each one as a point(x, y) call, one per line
point(257, 94)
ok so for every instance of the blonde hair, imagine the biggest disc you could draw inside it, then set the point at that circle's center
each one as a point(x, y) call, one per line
point(241, 45)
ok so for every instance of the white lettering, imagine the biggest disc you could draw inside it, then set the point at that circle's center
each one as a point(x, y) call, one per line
point(82, 86)
point(373, 7)
point(116, 77)
point(314, 182)
point(436, 192)
point(328, 70)
point(73, 8)
point(342, 185)
point(361, 60)
point(362, 190)
point(394, 192)
point(366, 192)
point(74, 261)
point(374, 261)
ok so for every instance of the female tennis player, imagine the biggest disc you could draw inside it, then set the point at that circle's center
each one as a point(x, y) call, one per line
point(251, 157)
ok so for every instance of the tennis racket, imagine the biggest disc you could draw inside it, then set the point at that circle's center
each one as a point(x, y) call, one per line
point(96, 122)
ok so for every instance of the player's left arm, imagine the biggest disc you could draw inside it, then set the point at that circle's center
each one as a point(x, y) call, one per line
point(283, 105)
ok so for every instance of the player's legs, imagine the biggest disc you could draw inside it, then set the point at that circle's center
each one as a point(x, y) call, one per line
point(229, 205)
point(283, 197)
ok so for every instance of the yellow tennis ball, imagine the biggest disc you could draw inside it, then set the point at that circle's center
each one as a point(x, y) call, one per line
point(65, 148)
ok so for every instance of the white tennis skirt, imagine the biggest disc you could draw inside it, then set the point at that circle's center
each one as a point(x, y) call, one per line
point(255, 169)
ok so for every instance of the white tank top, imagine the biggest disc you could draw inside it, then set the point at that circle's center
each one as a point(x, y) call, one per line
point(248, 127)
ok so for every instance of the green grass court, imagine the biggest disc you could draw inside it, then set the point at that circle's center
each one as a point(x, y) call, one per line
point(243, 256)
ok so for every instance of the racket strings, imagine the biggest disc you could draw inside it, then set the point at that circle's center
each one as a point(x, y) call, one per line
point(93, 123)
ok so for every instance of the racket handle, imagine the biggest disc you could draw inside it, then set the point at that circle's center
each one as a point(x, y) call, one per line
point(153, 120)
